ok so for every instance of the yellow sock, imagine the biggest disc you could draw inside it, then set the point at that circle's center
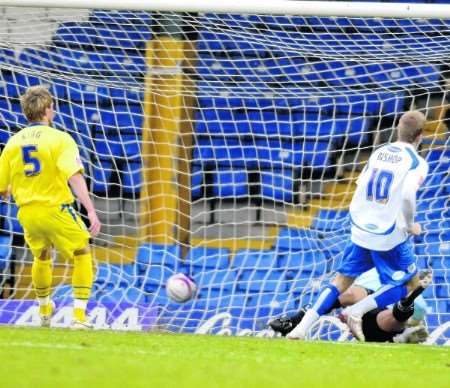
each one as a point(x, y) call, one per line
point(41, 276)
point(82, 278)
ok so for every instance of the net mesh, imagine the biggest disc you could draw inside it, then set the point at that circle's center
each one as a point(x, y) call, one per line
point(225, 147)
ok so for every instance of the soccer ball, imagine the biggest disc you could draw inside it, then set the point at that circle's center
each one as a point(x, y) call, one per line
point(180, 288)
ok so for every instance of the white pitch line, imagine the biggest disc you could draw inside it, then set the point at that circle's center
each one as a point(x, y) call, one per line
point(44, 345)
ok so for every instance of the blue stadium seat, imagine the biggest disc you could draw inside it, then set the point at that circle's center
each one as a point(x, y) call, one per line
point(196, 182)
point(79, 62)
point(439, 160)
point(131, 144)
point(11, 116)
point(251, 258)
point(139, 19)
point(208, 258)
point(277, 185)
point(331, 220)
point(153, 254)
point(230, 183)
point(262, 281)
point(278, 154)
point(222, 280)
point(121, 64)
point(317, 154)
point(311, 261)
point(155, 276)
point(125, 35)
point(227, 153)
point(5, 251)
point(232, 300)
point(72, 34)
point(132, 178)
point(297, 240)
point(132, 94)
point(111, 276)
point(38, 59)
point(127, 118)
point(7, 56)
point(101, 176)
point(63, 293)
point(88, 93)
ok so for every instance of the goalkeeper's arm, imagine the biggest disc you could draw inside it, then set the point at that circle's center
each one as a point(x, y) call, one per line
point(79, 187)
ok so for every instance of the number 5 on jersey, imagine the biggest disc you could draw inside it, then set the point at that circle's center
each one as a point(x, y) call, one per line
point(31, 163)
point(379, 185)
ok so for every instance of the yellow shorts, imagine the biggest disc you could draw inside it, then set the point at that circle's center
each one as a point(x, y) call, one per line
point(58, 227)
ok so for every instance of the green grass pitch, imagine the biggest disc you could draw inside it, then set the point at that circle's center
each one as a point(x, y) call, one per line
point(40, 358)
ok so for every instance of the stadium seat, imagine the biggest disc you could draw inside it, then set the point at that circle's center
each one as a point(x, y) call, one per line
point(196, 182)
point(331, 220)
point(38, 59)
point(250, 258)
point(132, 178)
point(5, 251)
point(222, 280)
point(155, 276)
point(122, 36)
point(101, 175)
point(313, 262)
point(279, 154)
point(317, 154)
point(122, 64)
point(79, 62)
point(11, 116)
point(88, 93)
point(110, 276)
point(154, 254)
point(72, 34)
point(277, 185)
point(262, 281)
point(7, 56)
point(208, 258)
point(230, 183)
point(297, 240)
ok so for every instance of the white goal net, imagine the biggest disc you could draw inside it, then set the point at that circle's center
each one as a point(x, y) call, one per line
point(226, 147)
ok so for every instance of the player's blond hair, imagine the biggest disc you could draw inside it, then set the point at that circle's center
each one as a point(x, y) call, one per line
point(34, 103)
point(410, 126)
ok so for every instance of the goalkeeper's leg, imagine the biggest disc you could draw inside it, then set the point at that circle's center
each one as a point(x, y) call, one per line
point(82, 279)
point(285, 325)
point(41, 276)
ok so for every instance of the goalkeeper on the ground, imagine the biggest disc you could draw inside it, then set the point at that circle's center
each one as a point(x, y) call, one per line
point(403, 322)
point(36, 166)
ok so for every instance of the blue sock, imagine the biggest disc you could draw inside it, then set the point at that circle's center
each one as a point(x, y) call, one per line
point(327, 298)
point(389, 294)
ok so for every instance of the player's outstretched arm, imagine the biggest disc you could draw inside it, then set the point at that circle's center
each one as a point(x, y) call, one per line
point(79, 187)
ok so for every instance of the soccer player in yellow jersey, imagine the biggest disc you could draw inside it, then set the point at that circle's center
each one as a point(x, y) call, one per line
point(37, 166)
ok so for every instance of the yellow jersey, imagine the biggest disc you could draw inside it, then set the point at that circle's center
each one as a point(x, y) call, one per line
point(37, 163)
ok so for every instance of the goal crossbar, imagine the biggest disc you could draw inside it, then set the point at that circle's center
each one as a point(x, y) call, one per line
point(280, 7)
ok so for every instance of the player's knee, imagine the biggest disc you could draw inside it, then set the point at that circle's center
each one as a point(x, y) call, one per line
point(342, 282)
point(45, 255)
point(352, 295)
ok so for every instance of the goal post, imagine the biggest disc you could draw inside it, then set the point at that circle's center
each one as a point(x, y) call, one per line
point(223, 140)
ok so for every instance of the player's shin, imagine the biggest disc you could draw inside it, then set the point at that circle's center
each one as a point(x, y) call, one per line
point(325, 302)
point(41, 274)
point(82, 278)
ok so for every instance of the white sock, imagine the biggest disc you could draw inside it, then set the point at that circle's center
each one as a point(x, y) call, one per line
point(307, 321)
point(44, 301)
point(363, 306)
point(79, 304)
